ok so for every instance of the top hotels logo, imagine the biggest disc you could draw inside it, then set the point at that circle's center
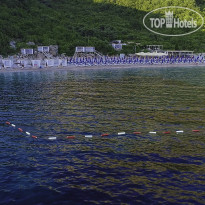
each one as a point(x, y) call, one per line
point(164, 21)
point(169, 19)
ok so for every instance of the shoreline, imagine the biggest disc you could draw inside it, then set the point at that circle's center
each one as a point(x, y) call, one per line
point(73, 67)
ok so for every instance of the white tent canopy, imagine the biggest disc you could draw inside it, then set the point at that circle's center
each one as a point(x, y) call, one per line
point(64, 62)
point(57, 62)
point(154, 54)
point(7, 63)
point(25, 63)
point(36, 63)
point(50, 62)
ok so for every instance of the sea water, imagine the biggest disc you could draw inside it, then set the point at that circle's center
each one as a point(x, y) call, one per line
point(127, 169)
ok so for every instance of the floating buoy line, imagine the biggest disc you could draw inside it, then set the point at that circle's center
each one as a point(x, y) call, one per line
point(102, 135)
point(21, 130)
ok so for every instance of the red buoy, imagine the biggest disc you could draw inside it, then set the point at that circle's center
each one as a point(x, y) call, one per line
point(34, 137)
point(70, 137)
point(20, 130)
point(195, 130)
point(8, 123)
point(137, 133)
point(168, 132)
point(104, 135)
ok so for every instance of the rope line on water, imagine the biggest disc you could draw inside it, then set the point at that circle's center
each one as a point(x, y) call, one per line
point(102, 135)
point(21, 130)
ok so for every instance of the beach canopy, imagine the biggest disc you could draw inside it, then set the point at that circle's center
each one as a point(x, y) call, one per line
point(154, 54)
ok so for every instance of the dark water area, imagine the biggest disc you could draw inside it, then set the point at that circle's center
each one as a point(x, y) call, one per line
point(128, 169)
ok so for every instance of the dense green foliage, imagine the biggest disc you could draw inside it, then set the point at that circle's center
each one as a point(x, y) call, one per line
point(86, 22)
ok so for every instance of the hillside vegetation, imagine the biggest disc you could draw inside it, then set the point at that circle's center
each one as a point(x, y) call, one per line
point(88, 22)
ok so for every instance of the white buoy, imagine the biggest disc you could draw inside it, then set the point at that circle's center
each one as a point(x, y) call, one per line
point(179, 131)
point(88, 136)
point(152, 132)
point(121, 133)
point(28, 133)
point(52, 138)
point(13, 125)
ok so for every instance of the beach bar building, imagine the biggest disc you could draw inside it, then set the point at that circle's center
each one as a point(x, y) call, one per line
point(7, 63)
point(27, 51)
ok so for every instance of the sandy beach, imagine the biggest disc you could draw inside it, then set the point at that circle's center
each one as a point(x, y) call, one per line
point(124, 66)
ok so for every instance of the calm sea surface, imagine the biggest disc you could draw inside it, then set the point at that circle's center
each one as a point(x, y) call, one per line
point(130, 169)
